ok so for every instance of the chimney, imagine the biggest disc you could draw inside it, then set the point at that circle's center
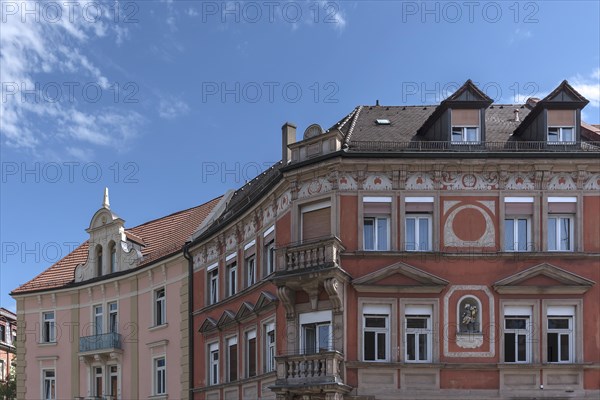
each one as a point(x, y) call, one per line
point(288, 136)
point(377, 103)
point(532, 101)
point(517, 115)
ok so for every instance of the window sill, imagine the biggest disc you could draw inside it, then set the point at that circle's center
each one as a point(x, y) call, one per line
point(158, 327)
point(45, 344)
point(159, 396)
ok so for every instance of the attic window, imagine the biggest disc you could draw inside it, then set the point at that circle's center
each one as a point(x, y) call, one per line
point(383, 122)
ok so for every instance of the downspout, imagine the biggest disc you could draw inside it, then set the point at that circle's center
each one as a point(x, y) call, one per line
point(186, 254)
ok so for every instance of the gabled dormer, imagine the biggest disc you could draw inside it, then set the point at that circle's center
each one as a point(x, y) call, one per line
point(459, 119)
point(556, 119)
point(109, 250)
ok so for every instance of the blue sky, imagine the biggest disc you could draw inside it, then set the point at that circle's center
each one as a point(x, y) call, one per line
point(171, 103)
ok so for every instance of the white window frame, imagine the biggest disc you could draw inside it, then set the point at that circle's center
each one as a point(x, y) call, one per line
point(318, 319)
point(110, 375)
point(213, 364)
point(515, 220)
point(557, 233)
point(98, 313)
point(424, 312)
point(568, 314)
point(49, 327)
point(417, 218)
point(95, 376)
point(250, 272)
point(249, 335)
point(213, 286)
point(3, 336)
point(160, 304)
point(560, 135)
point(269, 347)
point(111, 312)
point(232, 278)
point(51, 381)
point(386, 331)
point(270, 257)
point(518, 312)
point(375, 218)
point(159, 375)
point(464, 129)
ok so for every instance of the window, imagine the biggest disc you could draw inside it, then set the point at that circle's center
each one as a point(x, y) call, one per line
point(98, 319)
point(2, 376)
point(98, 382)
point(2, 333)
point(561, 126)
point(250, 354)
point(160, 376)
point(49, 384)
point(213, 364)
point(213, 289)
point(270, 257)
point(232, 359)
point(517, 340)
point(376, 331)
point(269, 347)
point(232, 279)
point(114, 381)
point(560, 135)
point(418, 232)
point(251, 271)
point(99, 260)
point(560, 233)
point(516, 234)
point(160, 316)
point(559, 334)
point(113, 258)
point(113, 317)
point(418, 334)
point(465, 126)
point(376, 233)
point(316, 221)
point(48, 327)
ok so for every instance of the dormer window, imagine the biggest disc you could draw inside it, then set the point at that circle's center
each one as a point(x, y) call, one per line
point(465, 126)
point(561, 126)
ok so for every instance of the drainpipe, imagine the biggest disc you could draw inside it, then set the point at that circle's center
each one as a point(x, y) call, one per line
point(186, 254)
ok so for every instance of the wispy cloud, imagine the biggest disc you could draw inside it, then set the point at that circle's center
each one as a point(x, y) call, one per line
point(519, 34)
point(172, 107)
point(589, 86)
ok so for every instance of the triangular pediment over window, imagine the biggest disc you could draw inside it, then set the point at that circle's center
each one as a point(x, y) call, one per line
point(246, 309)
point(400, 278)
point(227, 318)
point(208, 325)
point(544, 279)
point(264, 300)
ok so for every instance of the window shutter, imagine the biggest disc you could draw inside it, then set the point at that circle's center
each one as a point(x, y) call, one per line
point(561, 118)
point(518, 209)
point(465, 117)
point(316, 223)
point(562, 208)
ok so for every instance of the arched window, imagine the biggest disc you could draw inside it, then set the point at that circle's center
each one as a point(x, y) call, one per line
point(469, 315)
point(113, 257)
point(99, 260)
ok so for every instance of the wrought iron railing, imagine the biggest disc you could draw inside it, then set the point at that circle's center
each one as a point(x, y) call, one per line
point(100, 342)
point(510, 146)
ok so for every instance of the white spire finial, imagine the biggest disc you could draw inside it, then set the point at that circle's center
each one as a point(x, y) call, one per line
point(106, 203)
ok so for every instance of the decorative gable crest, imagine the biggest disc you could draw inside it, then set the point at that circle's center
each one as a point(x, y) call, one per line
point(400, 278)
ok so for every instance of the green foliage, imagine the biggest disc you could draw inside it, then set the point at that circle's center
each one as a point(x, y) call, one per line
point(8, 389)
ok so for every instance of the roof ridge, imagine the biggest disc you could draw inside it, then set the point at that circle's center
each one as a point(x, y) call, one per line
point(352, 125)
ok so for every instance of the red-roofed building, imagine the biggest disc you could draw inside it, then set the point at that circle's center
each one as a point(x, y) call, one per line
point(8, 338)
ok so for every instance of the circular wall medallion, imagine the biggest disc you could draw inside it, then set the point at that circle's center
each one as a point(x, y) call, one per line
point(469, 180)
point(469, 224)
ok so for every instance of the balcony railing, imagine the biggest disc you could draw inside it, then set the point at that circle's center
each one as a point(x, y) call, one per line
point(106, 341)
point(487, 147)
point(318, 253)
point(318, 368)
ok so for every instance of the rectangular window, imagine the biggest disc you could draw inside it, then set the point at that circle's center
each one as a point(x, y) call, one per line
point(160, 376)
point(517, 340)
point(516, 234)
point(114, 380)
point(557, 135)
point(316, 221)
point(418, 232)
point(98, 381)
point(98, 320)
point(232, 279)
point(48, 327)
point(213, 288)
point(376, 333)
point(418, 334)
point(270, 257)
point(113, 317)
point(49, 384)
point(250, 354)
point(465, 135)
point(251, 271)
point(2, 333)
point(160, 309)
point(232, 359)
point(376, 233)
point(317, 337)
point(560, 233)
point(559, 338)
point(269, 347)
point(213, 364)
point(2, 376)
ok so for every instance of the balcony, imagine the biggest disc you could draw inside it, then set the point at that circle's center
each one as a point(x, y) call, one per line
point(480, 147)
point(97, 346)
point(322, 253)
point(307, 373)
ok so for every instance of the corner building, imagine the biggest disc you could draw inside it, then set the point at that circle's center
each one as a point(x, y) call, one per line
point(409, 252)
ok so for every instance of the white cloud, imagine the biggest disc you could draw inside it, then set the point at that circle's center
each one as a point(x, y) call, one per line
point(192, 12)
point(588, 86)
point(172, 108)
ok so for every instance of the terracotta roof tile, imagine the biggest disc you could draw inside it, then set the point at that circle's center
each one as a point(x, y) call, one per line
point(161, 237)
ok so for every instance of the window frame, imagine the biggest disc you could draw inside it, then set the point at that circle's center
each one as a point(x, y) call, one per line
point(247, 358)
point(560, 332)
point(232, 278)
point(560, 134)
point(427, 331)
point(160, 304)
point(518, 332)
point(464, 134)
point(376, 218)
point(557, 233)
point(159, 373)
point(318, 319)
point(377, 331)
point(48, 326)
point(269, 348)
point(51, 379)
point(417, 217)
point(250, 272)
point(528, 241)
point(270, 257)
point(213, 286)
point(228, 366)
point(113, 312)
point(213, 365)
